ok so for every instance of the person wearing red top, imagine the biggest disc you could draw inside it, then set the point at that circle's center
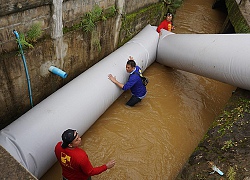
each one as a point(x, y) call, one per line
point(74, 160)
point(166, 24)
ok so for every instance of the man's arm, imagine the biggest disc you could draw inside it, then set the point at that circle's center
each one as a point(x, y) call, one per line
point(113, 79)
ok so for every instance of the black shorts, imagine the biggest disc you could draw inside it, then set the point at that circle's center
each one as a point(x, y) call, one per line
point(133, 100)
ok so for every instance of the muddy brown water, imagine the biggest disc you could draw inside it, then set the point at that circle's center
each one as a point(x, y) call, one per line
point(154, 139)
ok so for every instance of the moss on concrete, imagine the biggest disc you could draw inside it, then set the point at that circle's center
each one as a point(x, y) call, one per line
point(132, 23)
point(236, 17)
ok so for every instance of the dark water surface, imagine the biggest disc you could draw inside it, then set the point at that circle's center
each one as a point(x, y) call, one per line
point(154, 139)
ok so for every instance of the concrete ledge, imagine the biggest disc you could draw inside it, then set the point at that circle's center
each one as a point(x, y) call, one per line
point(11, 169)
point(237, 13)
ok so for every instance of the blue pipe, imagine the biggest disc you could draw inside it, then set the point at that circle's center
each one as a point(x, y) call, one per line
point(58, 72)
point(25, 65)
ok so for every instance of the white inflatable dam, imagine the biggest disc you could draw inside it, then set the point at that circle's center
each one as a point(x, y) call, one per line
point(223, 57)
point(32, 137)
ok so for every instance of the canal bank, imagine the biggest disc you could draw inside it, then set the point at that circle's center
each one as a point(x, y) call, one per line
point(11, 169)
point(226, 144)
point(224, 152)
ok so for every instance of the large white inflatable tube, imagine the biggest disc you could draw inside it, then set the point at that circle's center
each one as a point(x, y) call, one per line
point(223, 57)
point(32, 137)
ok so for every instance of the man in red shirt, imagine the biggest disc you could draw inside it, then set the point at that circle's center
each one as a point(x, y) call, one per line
point(74, 160)
point(166, 24)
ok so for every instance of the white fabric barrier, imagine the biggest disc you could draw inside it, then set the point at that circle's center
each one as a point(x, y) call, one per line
point(223, 57)
point(32, 137)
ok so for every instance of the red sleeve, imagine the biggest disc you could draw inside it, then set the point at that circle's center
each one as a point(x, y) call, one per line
point(161, 26)
point(87, 167)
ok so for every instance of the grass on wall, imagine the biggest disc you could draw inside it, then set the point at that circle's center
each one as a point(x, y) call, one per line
point(89, 19)
point(153, 13)
point(33, 34)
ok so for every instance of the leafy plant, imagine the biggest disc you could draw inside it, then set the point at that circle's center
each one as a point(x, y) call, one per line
point(173, 5)
point(231, 173)
point(88, 23)
point(31, 36)
point(34, 33)
point(97, 13)
point(110, 12)
point(227, 145)
point(167, 1)
point(24, 43)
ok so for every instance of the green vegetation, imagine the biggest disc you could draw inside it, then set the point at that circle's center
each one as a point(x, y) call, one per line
point(89, 19)
point(24, 43)
point(172, 5)
point(88, 23)
point(110, 12)
point(153, 13)
point(231, 173)
point(228, 118)
point(32, 35)
point(227, 145)
point(235, 16)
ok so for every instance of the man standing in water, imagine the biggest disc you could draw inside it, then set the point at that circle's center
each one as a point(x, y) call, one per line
point(166, 24)
point(134, 82)
point(74, 161)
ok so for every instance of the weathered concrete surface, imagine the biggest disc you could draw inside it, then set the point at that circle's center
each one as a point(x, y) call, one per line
point(239, 15)
point(13, 6)
point(245, 10)
point(11, 169)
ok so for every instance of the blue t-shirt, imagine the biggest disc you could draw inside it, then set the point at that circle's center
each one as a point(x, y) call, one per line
point(135, 84)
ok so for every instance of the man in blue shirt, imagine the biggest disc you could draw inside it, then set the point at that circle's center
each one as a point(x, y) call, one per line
point(134, 82)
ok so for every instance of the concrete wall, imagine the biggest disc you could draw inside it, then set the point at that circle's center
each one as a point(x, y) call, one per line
point(73, 52)
point(131, 6)
point(14, 6)
point(238, 14)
